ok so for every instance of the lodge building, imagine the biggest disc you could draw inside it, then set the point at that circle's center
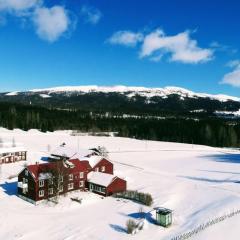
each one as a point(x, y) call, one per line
point(43, 181)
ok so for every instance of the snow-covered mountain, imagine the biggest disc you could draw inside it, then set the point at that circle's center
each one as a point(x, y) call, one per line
point(128, 91)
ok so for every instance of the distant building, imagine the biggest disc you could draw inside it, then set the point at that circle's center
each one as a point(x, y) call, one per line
point(10, 153)
point(66, 152)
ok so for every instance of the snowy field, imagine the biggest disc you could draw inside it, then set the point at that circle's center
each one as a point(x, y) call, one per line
point(199, 183)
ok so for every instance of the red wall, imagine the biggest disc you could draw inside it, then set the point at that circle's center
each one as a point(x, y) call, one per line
point(108, 166)
point(118, 185)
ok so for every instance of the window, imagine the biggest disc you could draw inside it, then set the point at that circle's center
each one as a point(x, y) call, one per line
point(103, 169)
point(70, 186)
point(61, 188)
point(25, 180)
point(81, 184)
point(50, 191)
point(26, 172)
point(50, 181)
point(97, 169)
point(61, 178)
point(41, 193)
point(81, 175)
point(70, 177)
point(41, 183)
point(25, 190)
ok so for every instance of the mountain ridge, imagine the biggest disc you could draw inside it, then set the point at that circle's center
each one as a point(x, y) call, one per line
point(130, 91)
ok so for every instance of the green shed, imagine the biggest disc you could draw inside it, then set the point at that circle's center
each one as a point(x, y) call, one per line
point(164, 217)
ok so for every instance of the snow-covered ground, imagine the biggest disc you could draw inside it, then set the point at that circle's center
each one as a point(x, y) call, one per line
point(199, 183)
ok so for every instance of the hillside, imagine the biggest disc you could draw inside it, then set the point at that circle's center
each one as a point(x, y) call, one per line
point(169, 114)
point(126, 100)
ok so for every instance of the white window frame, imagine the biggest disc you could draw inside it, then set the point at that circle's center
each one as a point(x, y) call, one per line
point(81, 174)
point(50, 191)
point(41, 193)
point(70, 186)
point(61, 188)
point(81, 183)
point(103, 168)
point(70, 177)
point(41, 183)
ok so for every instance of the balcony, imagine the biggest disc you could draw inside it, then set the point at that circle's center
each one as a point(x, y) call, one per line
point(22, 185)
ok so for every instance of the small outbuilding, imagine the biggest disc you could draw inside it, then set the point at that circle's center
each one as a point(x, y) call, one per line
point(105, 184)
point(164, 217)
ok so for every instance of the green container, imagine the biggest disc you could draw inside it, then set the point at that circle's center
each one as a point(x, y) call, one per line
point(164, 217)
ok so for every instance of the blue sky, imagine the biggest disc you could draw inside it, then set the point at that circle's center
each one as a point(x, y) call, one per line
point(190, 44)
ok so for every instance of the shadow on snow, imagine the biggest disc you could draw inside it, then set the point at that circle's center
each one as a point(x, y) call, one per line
point(118, 228)
point(225, 158)
point(9, 188)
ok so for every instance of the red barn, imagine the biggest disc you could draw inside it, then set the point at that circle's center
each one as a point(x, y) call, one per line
point(105, 184)
point(43, 181)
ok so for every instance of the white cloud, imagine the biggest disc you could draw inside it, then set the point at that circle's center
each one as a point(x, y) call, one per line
point(180, 47)
point(18, 5)
point(126, 38)
point(232, 78)
point(91, 14)
point(51, 23)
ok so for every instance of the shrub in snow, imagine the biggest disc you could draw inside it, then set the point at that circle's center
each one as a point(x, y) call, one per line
point(131, 226)
point(144, 198)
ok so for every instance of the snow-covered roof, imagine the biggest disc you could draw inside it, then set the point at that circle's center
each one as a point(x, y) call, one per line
point(70, 152)
point(93, 160)
point(100, 178)
point(12, 149)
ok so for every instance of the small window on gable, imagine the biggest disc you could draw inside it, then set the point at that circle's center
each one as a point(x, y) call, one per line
point(70, 177)
point(103, 169)
point(26, 172)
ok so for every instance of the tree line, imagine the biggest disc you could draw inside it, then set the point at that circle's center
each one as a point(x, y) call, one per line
point(203, 130)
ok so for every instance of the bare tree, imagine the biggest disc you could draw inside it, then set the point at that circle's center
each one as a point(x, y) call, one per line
point(103, 151)
point(57, 179)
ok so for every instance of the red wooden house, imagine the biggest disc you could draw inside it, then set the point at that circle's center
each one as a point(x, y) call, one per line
point(43, 181)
